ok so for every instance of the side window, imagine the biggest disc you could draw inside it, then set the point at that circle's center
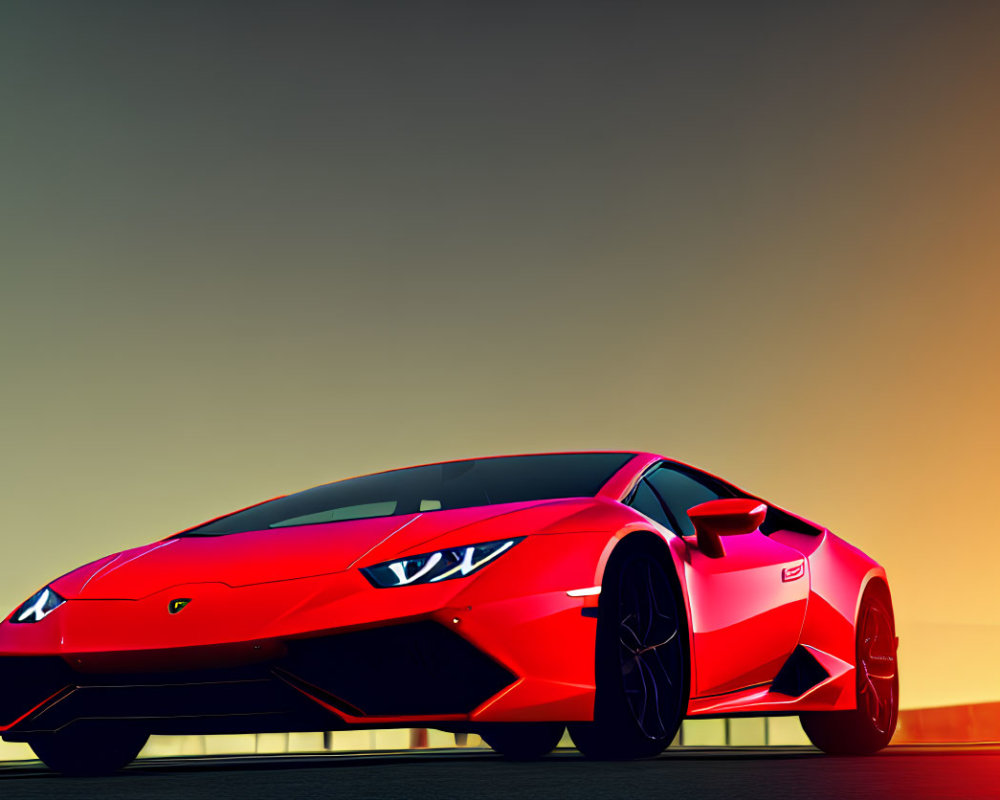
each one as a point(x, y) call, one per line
point(680, 492)
point(645, 501)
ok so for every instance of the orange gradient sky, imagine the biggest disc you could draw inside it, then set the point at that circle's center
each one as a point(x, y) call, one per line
point(250, 248)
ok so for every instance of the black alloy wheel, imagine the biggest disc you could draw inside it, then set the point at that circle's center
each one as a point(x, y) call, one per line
point(869, 727)
point(81, 751)
point(641, 661)
point(523, 741)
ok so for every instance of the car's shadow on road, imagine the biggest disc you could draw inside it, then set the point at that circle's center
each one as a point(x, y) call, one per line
point(34, 769)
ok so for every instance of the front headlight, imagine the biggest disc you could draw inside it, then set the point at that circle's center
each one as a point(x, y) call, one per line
point(38, 606)
point(442, 565)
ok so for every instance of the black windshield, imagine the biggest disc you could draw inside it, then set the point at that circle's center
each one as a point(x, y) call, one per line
point(457, 484)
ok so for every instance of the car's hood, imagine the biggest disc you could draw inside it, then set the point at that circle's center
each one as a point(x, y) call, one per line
point(243, 559)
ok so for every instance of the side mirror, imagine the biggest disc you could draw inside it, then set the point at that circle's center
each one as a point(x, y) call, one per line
point(727, 517)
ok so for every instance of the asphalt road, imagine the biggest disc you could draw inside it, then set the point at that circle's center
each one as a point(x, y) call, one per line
point(910, 773)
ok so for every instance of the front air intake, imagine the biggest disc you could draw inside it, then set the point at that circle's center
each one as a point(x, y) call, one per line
point(27, 682)
point(416, 669)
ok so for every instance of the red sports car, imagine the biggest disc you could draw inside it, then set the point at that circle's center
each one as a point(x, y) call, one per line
point(614, 593)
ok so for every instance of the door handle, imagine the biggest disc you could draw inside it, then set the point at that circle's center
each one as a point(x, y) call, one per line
point(793, 573)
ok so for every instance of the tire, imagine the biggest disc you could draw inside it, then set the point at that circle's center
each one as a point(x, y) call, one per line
point(869, 727)
point(79, 751)
point(523, 741)
point(641, 660)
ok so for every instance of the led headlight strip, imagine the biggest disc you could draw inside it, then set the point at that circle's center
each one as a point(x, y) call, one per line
point(442, 565)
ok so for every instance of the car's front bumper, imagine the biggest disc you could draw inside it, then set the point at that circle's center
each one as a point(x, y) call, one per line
point(318, 653)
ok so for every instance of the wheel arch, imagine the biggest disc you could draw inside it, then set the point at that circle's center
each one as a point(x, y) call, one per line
point(670, 551)
point(875, 581)
point(666, 549)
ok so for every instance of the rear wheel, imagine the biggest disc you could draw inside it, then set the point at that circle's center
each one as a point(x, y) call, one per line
point(641, 661)
point(869, 727)
point(81, 751)
point(523, 741)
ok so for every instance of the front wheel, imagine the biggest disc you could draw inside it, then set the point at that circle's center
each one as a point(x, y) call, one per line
point(869, 727)
point(523, 741)
point(641, 661)
point(82, 752)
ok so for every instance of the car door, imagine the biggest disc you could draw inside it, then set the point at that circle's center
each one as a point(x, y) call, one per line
point(747, 607)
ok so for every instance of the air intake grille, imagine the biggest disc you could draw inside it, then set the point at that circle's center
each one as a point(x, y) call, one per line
point(416, 669)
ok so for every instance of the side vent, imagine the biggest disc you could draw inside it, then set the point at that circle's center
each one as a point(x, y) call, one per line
point(798, 674)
